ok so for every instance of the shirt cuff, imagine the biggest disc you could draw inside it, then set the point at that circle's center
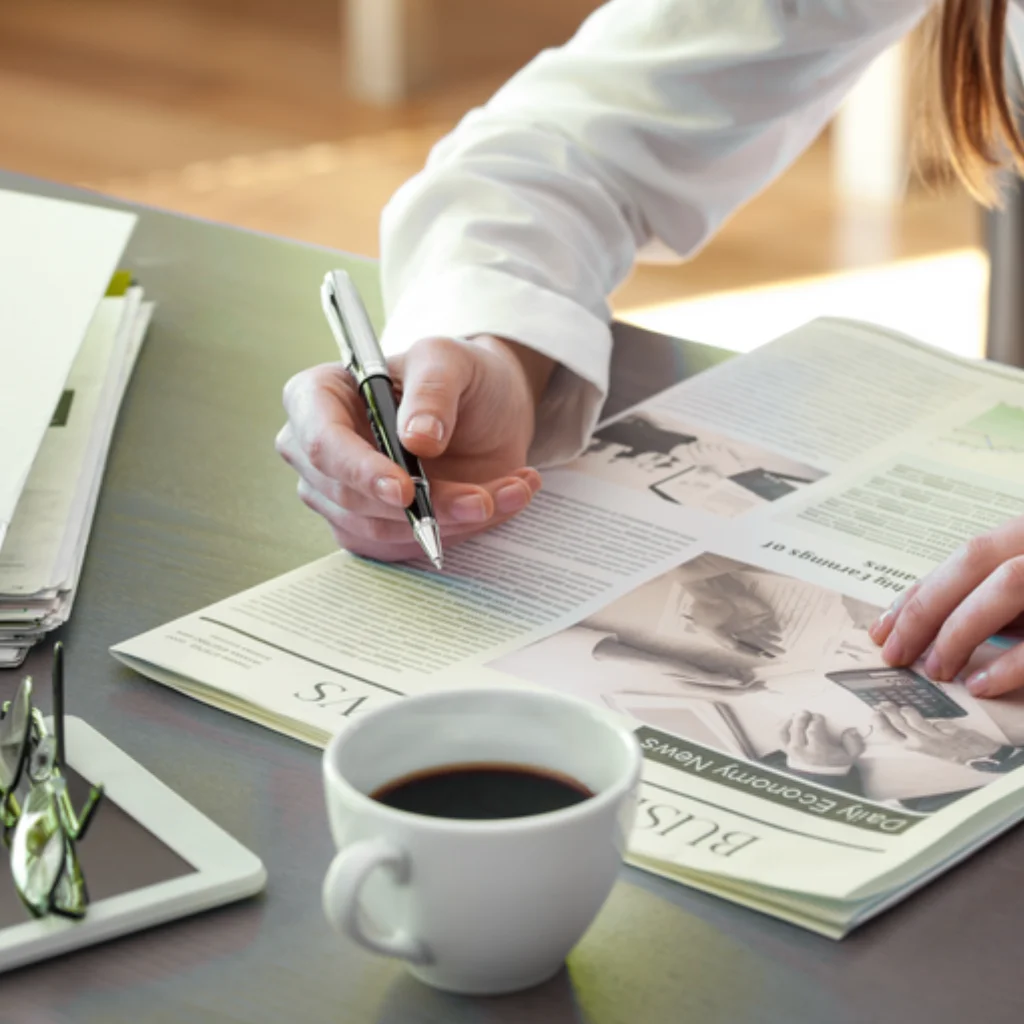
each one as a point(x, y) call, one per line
point(480, 300)
point(797, 765)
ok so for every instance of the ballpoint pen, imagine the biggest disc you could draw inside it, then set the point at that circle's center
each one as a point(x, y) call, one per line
point(763, 648)
point(362, 357)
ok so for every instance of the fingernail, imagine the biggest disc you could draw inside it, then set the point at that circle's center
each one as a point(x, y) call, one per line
point(470, 508)
point(426, 426)
point(531, 478)
point(893, 650)
point(511, 498)
point(933, 667)
point(389, 490)
point(876, 628)
point(978, 684)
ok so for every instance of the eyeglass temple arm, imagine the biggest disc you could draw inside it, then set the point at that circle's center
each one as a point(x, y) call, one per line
point(75, 825)
point(57, 683)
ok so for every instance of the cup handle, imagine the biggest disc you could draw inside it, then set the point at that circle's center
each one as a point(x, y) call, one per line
point(344, 880)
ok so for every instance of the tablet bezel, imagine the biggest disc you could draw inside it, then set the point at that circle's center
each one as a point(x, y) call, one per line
point(224, 870)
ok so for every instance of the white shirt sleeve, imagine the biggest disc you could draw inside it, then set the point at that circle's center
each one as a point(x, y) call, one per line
point(645, 131)
point(1015, 30)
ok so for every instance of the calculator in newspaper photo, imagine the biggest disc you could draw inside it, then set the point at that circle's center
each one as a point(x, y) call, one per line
point(898, 686)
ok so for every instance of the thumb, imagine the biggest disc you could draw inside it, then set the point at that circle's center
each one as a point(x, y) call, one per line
point(435, 374)
point(853, 743)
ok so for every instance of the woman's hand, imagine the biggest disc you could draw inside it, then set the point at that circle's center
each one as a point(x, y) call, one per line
point(467, 410)
point(976, 592)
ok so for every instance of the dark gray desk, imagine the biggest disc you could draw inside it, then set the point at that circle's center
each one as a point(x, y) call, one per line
point(196, 506)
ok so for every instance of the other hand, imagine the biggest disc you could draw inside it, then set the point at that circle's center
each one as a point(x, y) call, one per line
point(977, 592)
point(937, 738)
point(467, 411)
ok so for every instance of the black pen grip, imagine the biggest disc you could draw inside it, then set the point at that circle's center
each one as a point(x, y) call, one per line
point(382, 412)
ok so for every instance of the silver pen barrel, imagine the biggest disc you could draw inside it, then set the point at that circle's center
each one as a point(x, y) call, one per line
point(360, 340)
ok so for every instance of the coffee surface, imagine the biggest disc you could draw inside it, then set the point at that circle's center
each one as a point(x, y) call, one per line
point(482, 792)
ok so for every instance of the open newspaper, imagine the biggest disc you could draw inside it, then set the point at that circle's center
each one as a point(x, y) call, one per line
point(709, 568)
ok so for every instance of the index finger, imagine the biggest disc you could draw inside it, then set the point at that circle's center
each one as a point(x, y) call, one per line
point(916, 721)
point(326, 416)
point(917, 618)
point(817, 732)
point(886, 728)
point(798, 731)
point(891, 722)
point(785, 731)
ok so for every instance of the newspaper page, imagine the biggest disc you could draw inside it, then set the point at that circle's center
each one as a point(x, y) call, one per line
point(697, 571)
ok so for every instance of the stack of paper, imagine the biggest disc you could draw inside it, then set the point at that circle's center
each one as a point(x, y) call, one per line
point(70, 330)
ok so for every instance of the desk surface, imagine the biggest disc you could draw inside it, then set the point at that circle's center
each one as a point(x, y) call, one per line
point(197, 506)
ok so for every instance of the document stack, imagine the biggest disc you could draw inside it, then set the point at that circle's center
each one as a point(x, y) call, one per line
point(71, 327)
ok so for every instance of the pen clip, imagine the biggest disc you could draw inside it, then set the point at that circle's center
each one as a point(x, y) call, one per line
point(335, 320)
point(351, 327)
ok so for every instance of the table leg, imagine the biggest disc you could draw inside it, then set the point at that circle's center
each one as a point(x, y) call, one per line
point(870, 133)
point(389, 47)
point(1004, 239)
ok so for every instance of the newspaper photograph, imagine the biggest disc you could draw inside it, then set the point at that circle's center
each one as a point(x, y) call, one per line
point(780, 672)
point(663, 456)
point(991, 443)
point(919, 498)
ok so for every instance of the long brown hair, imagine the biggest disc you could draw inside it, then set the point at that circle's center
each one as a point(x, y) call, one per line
point(976, 117)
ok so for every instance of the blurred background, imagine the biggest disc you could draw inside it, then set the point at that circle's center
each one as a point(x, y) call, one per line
point(301, 117)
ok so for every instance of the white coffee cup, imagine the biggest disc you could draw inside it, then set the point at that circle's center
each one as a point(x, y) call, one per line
point(477, 906)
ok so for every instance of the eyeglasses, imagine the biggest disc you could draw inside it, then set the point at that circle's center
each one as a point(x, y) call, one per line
point(40, 825)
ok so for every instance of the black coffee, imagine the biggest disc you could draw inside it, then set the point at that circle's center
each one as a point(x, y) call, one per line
point(482, 791)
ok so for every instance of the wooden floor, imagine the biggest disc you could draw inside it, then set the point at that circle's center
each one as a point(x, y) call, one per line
point(235, 110)
point(98, 89)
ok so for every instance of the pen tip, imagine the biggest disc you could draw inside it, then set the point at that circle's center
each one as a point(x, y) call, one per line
point(429, 537)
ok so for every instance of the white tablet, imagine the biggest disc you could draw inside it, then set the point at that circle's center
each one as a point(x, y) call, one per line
point(148, 857)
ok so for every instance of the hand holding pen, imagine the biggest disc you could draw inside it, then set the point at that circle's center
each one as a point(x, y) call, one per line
point(466, 410)
point(362, 357)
